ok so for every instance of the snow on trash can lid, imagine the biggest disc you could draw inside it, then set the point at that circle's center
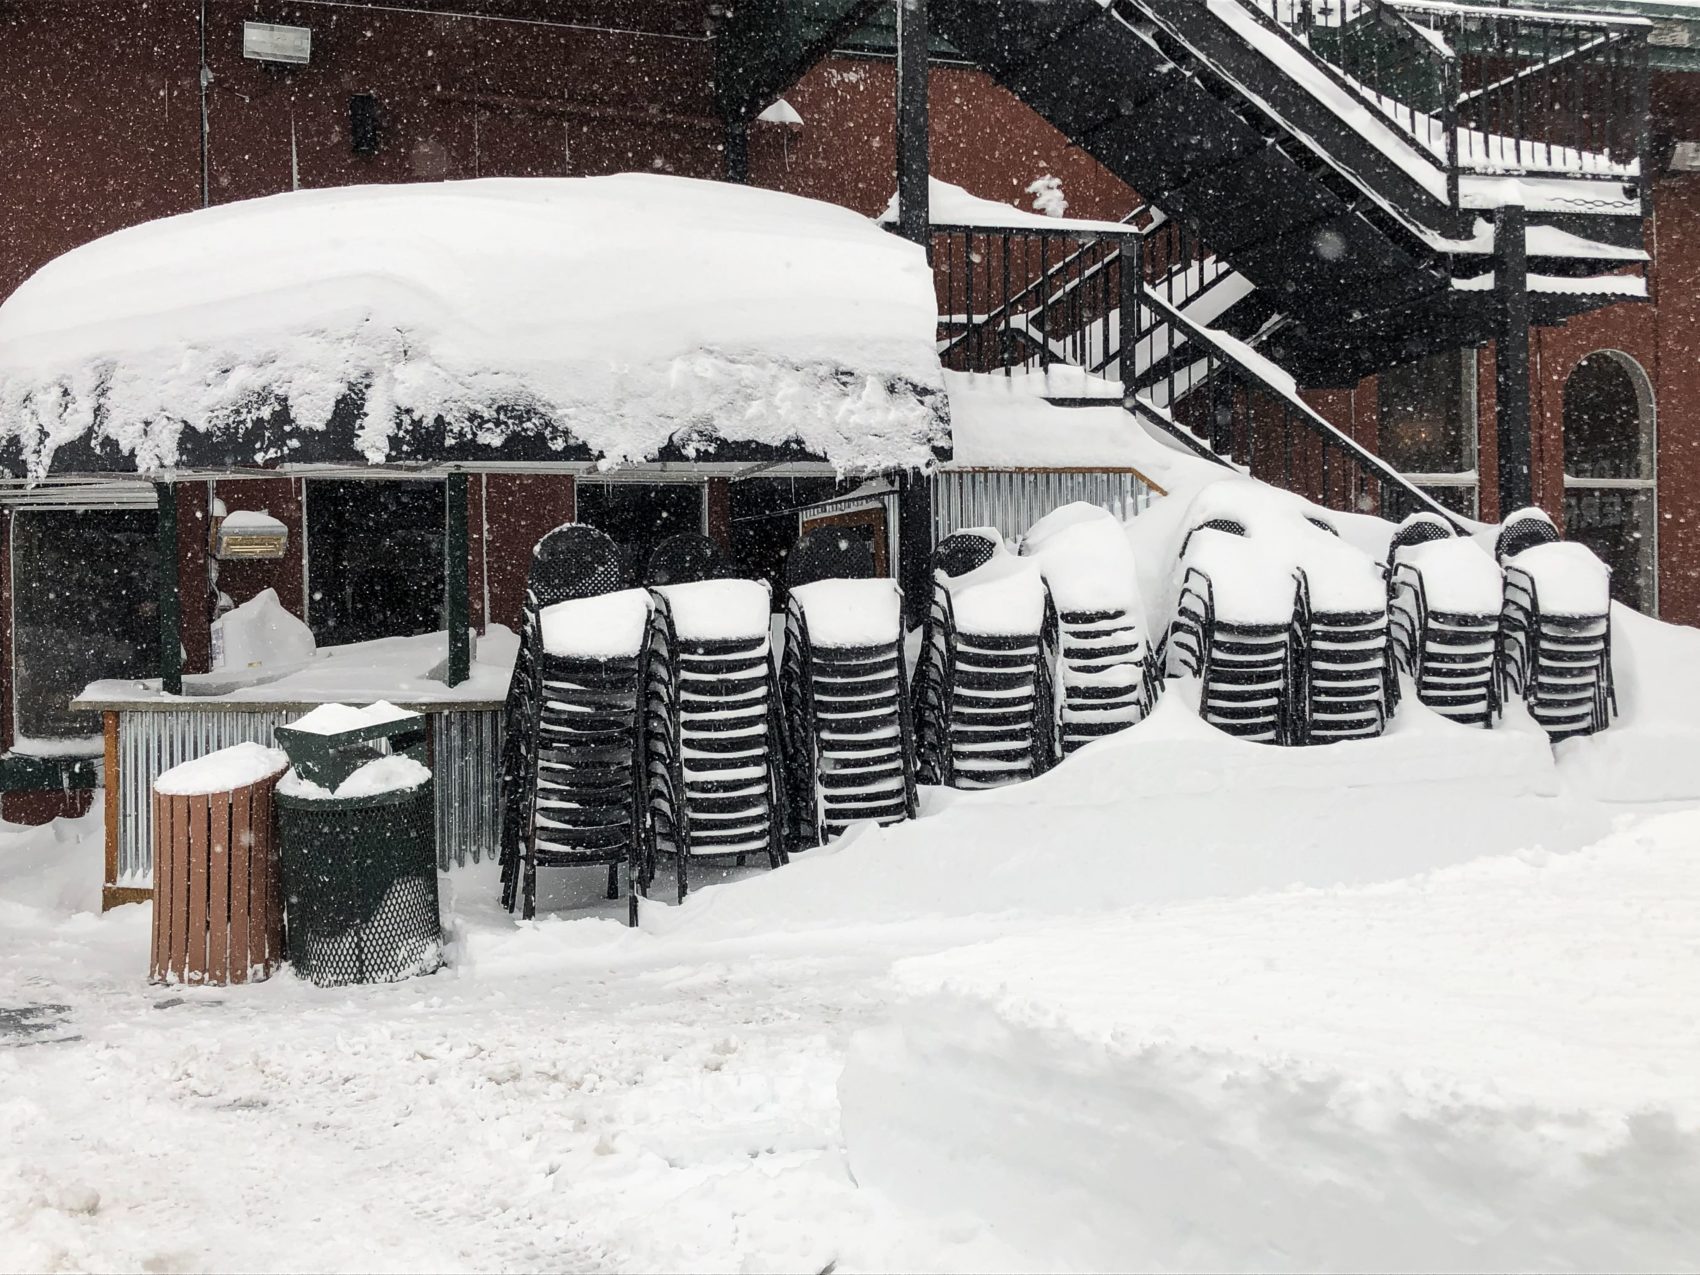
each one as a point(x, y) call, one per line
point(334, 719)
point(222, 771)
point(396, 773)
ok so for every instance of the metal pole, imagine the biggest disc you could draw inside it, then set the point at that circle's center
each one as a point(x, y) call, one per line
point(170, 594)
point(915, 544)
point(1511, 361)
point(737, 166)
point(455, 554)
point(1132, 253)
point(913, 215)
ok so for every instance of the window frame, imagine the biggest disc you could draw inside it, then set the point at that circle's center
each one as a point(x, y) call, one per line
point(1646, 400)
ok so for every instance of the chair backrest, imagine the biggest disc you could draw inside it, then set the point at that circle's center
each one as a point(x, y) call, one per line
point(1524, 530)
point(828, 553)
point(685, 558)
point(1418, 529)
point(963, 551)
point(574, 561)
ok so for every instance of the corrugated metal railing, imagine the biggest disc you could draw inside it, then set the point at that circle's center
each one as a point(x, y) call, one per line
point(466, 760)
point(1013, 501)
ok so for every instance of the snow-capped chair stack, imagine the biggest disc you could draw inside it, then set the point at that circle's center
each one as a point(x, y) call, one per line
point(1094, 623)
point(983, 700)
point(1233, 630)
point(1340, 638)
point(1555, 627)
point(711, 731)
point(573, 756)
point(1444, 594)
point(844, 694)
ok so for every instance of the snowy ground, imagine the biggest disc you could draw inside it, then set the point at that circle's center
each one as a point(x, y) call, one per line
point(1477, 981)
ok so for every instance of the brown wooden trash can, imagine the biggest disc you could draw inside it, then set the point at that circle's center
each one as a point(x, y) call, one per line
point(218, 897)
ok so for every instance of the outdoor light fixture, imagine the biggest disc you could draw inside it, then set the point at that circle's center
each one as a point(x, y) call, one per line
point(247, 534)
point(268, 42)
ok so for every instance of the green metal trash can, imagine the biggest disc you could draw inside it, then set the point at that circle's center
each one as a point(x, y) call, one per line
point(359, 872)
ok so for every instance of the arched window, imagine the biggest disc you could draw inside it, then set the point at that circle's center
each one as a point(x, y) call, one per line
point(1610, 472)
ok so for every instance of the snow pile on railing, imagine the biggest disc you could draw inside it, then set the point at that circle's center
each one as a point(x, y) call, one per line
point(619, 314)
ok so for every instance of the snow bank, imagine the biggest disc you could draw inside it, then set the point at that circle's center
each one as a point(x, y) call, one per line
point(1488, 1068)
point(851, 612)
point(225, 770)
point(597, 628)
point(618, 313)
point(1651, 750)
point(1173, 809)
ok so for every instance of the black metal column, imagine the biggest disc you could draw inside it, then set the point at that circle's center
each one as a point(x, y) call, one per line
point(170, 593)
point(1132, 269)
point(915, 545)
point(737, 158)
point(455, 554)
point(1511, 361)
point(912, 164)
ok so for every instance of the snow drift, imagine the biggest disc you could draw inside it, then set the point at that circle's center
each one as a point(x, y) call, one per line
point(613, 315)
point(1487, 1068)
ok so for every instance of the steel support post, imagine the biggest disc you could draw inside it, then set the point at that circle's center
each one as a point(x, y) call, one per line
point(170, 593)
point(913, 215)
point(457, 617)
point(1511, 361)
point(915, 544)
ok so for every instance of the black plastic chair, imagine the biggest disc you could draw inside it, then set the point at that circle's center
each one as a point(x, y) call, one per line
point(713, 782)
point(1524, 530)
point(572, 750)
point(828, 554)
point(983, 701)
point(1451, 656)
point(685, 559)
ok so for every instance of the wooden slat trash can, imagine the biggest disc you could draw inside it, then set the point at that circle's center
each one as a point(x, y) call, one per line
point(218, 895)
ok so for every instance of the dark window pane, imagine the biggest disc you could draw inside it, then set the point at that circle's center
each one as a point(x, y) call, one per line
point(86, 606)
point(1424, 410)
point(1617, 524)
point(374, 559)
point(1605, 433)
point(1460, 499)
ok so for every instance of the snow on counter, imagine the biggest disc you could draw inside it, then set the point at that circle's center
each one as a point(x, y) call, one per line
point(222, 771)
point(619, 312)
point(1489, 1067)
point(404, 671)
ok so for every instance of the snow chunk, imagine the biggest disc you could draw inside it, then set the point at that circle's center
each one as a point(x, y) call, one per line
point(1086, 560)
point(1569, 578)
point(395, 773)
point(252, 522)
point(225, 770)
point(713, 609)
point(951, 205)
point(333, 719)
point(622, 313)
point(851, 612)
point(597, 628)
point(1459, 576)
point(260, 633)
point(1003, 596)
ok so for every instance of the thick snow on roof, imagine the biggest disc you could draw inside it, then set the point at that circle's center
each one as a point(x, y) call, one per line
point(618, 314)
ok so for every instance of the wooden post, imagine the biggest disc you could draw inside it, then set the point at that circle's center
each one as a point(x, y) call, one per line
point(170, 594)
point(109, 795)
point(455, 552)
point(913, 214)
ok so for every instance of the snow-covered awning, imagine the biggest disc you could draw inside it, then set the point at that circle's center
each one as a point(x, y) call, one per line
point(615, 320)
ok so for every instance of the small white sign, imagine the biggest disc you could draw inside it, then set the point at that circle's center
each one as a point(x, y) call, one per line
point(1685, 158)
point(268, 42)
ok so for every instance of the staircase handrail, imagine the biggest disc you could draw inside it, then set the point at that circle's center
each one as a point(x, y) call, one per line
point(1228, 350)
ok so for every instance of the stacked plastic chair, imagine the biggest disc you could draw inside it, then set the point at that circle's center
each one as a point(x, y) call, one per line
point(1340, 658)
point(573, 749)
point(1094, 624)
point(849, 744)
point(1555, 627)
point(1444, 595)
point(713, 785)
point(983, 699)
point(1233, 630)
point(684, 559)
